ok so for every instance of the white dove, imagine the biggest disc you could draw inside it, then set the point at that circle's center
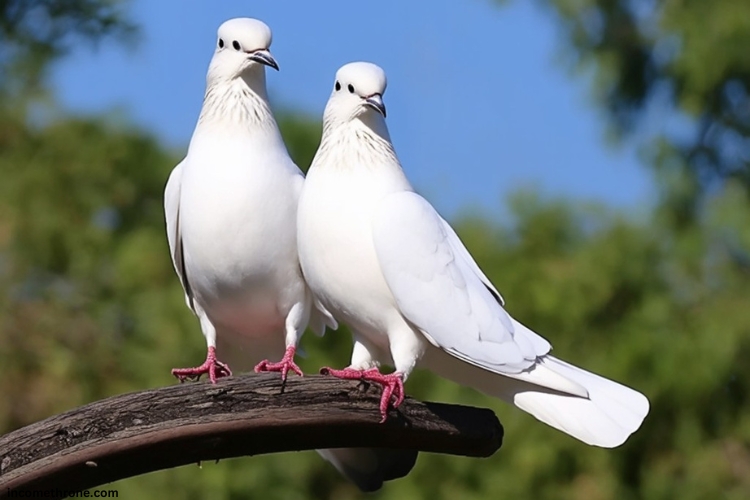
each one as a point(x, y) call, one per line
point(380, 258)
point(231, 208)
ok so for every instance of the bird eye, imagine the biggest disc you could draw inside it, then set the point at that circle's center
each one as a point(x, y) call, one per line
point(351, 88)
point(221, 43)
point(338, 86)
point(236, 45)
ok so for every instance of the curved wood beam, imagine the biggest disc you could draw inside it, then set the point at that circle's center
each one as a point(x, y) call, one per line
point(156, 429)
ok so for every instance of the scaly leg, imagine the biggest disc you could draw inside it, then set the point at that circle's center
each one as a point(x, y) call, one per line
point(393, 385)
point(215, 369)
point(287, 363)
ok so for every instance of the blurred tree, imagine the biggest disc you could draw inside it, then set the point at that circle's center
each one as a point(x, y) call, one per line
point(34, 33)
point(90, 306)
point(302, 136)
point(684, 61)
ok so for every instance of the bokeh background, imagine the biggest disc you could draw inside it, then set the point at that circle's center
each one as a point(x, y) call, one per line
point(593, 155)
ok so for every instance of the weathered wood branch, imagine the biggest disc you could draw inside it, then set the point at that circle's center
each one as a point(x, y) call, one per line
point(135, 433)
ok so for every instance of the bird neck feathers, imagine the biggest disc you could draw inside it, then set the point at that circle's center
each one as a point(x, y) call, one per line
point(356, 142)
point(237, 101)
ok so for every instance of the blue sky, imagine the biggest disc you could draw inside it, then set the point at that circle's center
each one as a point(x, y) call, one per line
point(478, 107)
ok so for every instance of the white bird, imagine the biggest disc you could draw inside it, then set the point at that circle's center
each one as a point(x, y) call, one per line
point(231, 208)
point(381, 259)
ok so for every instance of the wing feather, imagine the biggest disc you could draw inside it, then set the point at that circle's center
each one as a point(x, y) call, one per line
point(172, 217)
point(441, 290)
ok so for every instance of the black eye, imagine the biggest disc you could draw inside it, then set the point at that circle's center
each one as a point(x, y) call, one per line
point(338, 86)
point(236, 45)
point(351, 88)
point(221, 43)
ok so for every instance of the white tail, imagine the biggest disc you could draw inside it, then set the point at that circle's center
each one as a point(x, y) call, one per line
point(610, 414)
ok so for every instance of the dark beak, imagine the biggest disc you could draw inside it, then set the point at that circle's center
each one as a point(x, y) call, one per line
point(264, 57)
point(375, 101)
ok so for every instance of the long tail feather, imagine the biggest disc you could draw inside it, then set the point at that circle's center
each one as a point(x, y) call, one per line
point(610, 414)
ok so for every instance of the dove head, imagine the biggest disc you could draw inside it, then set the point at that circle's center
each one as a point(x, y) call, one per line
point(354, 119)
point(236, 80)
point(241, 50)
point(357, 95)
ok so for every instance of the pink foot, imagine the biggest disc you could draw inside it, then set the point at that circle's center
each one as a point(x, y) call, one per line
point(393, 385)
point(212, 366)
point(287, 363)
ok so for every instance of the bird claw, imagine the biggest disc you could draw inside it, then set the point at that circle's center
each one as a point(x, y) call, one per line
point(393, 385)
point(215, 369)
point(287, 363)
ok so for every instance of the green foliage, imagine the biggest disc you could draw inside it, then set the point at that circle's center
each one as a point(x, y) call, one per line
point(34, 33)
point(90, 306)
point(302, 136)
point(678, 59)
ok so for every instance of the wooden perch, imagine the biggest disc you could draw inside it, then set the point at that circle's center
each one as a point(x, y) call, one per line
point(141, 432)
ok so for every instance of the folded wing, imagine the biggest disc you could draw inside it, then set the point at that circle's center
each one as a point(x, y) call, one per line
point(440, 289)
point(172, 217)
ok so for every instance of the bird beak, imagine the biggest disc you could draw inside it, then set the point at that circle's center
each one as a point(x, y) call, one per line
point(375, 102)
point(264, 57)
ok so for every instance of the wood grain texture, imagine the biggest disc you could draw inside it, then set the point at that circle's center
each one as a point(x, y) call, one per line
point(141, 432)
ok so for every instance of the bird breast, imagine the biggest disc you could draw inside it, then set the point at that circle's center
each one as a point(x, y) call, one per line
point(336, 251)
point(237, 223)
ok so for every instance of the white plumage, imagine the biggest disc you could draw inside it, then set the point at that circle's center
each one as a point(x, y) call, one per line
point(381, 259)
point(230, 210)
